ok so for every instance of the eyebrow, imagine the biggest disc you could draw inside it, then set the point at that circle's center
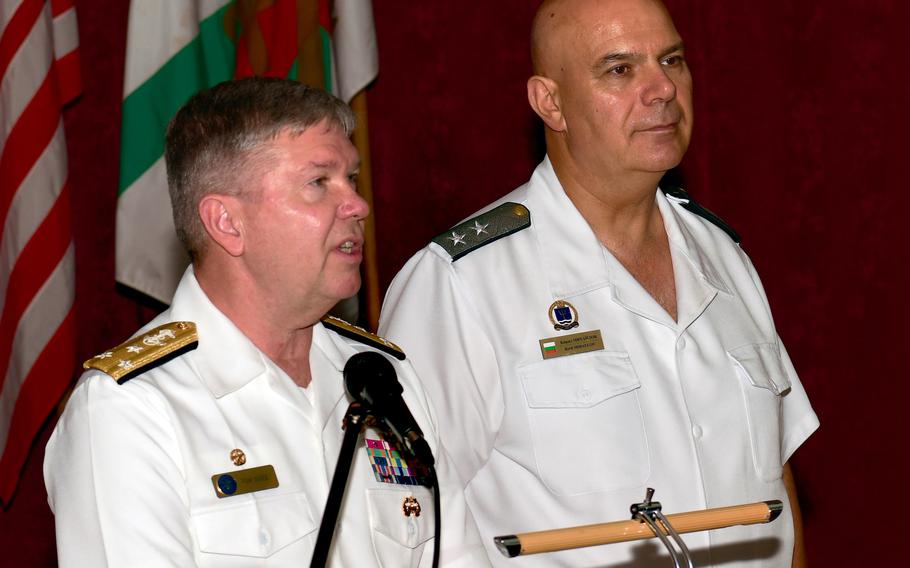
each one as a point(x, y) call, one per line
point(680, 46)
point(329, 164)
point(636, 56)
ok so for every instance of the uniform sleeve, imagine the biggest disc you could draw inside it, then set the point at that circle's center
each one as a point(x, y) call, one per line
point(798, 419)
point(432, 317)
point(461, 545)
point(113, 479)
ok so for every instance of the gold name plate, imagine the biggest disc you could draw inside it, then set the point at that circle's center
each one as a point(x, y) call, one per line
point(561, 345)
point(244, 481)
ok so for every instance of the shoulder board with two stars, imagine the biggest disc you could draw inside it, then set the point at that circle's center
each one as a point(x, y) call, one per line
point(356, 333)
point(684, 199)
point(483, 229)
point(146, 351)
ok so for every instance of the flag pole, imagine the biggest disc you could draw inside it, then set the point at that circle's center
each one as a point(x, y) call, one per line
point(365, 188)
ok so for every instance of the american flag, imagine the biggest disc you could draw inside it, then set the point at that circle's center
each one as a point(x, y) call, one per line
point(39, 73)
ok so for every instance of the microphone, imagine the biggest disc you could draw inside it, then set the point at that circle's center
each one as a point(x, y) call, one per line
point(369, 378)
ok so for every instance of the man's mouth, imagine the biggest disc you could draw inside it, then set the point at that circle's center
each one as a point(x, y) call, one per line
point(347, 247)
point(664, 127)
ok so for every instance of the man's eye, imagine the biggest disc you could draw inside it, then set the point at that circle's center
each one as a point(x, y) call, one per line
point(318, 182)
point(353, 179)
point(619, 70)
point(674, 60)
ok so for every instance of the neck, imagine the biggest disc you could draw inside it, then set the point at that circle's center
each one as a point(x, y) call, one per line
point(619, 207)
point(284, 340)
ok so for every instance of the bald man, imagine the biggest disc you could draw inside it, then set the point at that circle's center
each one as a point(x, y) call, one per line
point(591, 334)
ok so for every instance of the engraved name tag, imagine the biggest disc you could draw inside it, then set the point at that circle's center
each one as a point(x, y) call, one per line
point(244, 481)
point(561, 345)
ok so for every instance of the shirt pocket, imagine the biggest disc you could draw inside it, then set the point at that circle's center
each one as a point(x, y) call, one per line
point(256, 527)
point(398, 536)
point(764, 381)
point(586, 423)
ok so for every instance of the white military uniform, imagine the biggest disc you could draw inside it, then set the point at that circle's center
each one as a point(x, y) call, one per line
point(129, 467)
point(705, 409)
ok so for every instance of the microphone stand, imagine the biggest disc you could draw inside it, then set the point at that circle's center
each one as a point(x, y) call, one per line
point(354, 421)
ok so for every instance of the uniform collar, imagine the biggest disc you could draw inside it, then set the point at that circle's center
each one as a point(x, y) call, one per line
point(683, 240)
point(225, 359)
point(576, 262)
point(572, 256)
point(333, 346)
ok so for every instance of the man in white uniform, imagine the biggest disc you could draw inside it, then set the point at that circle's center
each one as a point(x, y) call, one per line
point(211, 437)
point(590, 335)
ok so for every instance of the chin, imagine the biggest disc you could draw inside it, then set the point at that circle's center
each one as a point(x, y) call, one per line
point(662, 161)
point(346, 290)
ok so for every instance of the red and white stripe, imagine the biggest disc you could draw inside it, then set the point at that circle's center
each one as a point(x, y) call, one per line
point(39, 73)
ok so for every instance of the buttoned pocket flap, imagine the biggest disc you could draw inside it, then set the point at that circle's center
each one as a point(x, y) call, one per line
point(256, 527)
point(579, 381)
point(388, 515)
point(761, 364)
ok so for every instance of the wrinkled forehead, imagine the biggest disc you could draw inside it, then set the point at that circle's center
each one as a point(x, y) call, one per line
point(572, 28)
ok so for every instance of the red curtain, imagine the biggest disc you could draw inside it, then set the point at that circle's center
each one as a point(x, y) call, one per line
point(800, 136)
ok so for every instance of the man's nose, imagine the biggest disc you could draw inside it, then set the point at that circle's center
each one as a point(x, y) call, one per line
point(353, 206)
point(659, 87)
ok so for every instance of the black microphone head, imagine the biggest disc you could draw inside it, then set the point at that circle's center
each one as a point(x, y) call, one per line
point(370, 379)
point(369, 375)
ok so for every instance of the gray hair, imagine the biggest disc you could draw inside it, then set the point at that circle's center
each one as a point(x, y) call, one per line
point(215, 141)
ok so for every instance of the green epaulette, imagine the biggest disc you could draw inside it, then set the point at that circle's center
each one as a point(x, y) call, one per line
point(693, 206)
point(351, 331)
point(483, 229)
point(146, 351)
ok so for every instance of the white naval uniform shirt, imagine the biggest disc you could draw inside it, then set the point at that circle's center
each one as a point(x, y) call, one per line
point(129, 467)
point(705, 409)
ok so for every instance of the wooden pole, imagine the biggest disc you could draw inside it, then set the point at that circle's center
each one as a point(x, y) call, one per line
point(370, 287)
point(624, 531)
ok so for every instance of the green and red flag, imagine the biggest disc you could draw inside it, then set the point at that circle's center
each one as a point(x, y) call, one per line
point(179, 47)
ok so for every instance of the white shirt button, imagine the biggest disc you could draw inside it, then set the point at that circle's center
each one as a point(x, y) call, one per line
point(264, 537)
point(585, 393)
point(697, 431)
point(681, 344)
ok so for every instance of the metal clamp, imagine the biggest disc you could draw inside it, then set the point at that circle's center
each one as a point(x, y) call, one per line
point(649, 512)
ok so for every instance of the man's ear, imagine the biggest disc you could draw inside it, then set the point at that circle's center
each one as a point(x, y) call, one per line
point(221, 219)
point(543, 95)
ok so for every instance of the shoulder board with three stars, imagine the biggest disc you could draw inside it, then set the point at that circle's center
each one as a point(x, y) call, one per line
point(689, 204)
point(483, 229)
point(147, 351)
point(356, 333)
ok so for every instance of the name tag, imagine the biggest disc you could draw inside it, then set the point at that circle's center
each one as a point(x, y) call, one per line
point(561, 345)
point(244, 481)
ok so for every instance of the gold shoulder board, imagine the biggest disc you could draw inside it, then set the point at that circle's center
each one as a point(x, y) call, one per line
point(146, 351)
point(351, 331)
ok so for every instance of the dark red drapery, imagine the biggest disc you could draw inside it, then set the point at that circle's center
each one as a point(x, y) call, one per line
point(799, 144)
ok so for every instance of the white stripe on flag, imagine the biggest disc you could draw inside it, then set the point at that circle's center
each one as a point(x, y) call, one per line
point(149, 256)
point(157, 31)
point(7, 9)
point(27, 70)
point(356, 55)
point(33, 200)
point(38, 324)
point(66, 33)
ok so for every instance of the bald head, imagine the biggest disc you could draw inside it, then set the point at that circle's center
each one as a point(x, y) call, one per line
point(559, 24)
point(612, 86)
